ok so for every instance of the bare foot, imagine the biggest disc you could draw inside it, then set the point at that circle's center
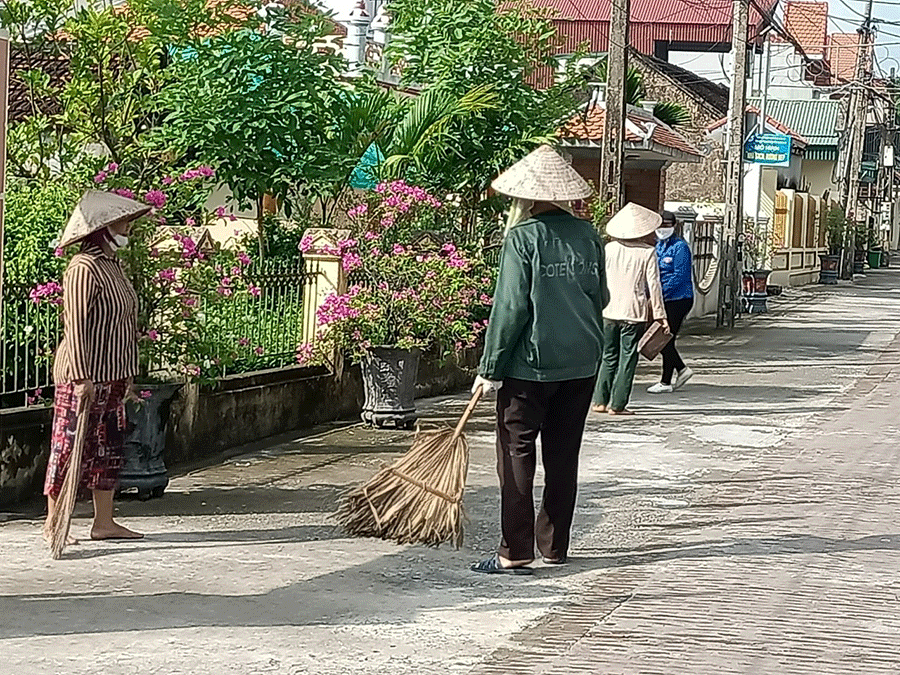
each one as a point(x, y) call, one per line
point(598, 408)
point(623, 411)
point(113, 531)
point(505, 562)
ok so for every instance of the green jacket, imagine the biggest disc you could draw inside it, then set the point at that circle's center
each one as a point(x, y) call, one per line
point(546, 323)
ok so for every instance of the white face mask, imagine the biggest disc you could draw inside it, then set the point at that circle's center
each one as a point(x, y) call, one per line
point(664, 233)
point(117, 241)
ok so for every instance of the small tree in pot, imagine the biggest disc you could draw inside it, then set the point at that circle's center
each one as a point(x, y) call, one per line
point(835, 232)
point(402, 300)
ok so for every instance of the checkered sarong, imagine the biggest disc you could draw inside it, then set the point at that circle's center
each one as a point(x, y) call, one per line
point(103, 448)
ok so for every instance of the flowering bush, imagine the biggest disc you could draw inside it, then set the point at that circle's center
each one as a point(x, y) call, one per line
point(194, 303)
point(400, 296)
point(177, 199)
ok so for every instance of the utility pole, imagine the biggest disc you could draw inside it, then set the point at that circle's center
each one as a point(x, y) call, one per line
point(613, 151)
point(858, 110)
point(730, 273)
point(763, 116)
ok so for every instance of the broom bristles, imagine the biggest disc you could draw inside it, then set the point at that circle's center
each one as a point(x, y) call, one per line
point(417, 500)
point(61, 516)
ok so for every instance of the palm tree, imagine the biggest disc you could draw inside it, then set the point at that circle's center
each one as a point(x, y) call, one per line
point(672, 114)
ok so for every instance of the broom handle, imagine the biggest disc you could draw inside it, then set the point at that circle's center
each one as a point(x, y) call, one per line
point(457, 432)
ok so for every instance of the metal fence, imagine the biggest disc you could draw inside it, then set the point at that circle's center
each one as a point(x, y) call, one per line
point(29, 333)
point(270, 325)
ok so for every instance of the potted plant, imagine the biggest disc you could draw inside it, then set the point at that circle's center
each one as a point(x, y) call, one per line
point(874, 249)
point(758, 248)
point(861, 238)
point(835, 230)
point(402, 300)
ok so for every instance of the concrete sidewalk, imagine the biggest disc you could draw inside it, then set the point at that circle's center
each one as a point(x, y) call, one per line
point(747, 524)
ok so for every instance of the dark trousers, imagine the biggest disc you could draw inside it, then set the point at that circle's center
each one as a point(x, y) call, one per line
point(620, 357)
point(557, 411)
point(676, 310)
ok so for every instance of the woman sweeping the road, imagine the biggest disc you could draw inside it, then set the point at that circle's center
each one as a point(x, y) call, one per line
point(636, 296)
point(542, 347)
point(97, 357)
point(675, 273)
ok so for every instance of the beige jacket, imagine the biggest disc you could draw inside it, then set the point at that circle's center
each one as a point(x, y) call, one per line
point(632, 274)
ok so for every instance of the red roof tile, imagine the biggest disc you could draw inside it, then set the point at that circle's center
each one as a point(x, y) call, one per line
point(843, 49)
point(807, 22)
point(588, 126)
point(705, 12)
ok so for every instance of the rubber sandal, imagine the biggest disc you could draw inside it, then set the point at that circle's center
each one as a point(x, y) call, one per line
point(492, 566)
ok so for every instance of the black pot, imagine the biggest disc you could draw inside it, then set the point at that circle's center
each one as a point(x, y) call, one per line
point(144, 473)
point(755, 291)
point(828, 269)
point(389, 379)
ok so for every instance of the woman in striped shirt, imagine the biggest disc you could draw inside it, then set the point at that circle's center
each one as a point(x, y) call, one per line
point(97, 358)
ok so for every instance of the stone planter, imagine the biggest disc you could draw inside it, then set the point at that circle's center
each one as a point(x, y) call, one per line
point(874, 259)
point(859, 262)
point(755, 291)
point(144, 473)
point(389, 382)
point(828, 269)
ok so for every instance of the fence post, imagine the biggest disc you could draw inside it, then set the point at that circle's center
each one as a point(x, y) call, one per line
point(323, 273)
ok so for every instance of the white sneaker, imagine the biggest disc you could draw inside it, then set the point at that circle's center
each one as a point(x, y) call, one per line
point(660, 388)
point(682, 378)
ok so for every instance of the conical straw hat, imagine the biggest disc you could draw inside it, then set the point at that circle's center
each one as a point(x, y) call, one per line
point(543, 176)
point(97, 210)
point(633, 222)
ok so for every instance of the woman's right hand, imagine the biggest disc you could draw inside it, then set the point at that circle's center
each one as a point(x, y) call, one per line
point(85, 391)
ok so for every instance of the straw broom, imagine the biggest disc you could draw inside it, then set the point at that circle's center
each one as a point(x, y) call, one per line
point(417, 500)
point(61, 517)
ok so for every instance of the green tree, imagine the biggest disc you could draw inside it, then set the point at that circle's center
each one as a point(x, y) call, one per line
point(457, 46)
point(259, 107)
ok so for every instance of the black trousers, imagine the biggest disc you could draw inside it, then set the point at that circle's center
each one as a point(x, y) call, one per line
point(676, 311)
point(557, 411)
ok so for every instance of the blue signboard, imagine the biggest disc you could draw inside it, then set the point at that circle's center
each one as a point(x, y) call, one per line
point(770, 149)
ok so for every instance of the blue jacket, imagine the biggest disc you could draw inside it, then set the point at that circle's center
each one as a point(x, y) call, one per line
point(674, 257)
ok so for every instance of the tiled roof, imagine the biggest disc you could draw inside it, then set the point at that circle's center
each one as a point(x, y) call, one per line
point(807, 22)
point(818, 121)
point(708, 12)
point(706, 91)
point(842, 53)
point(587, 125)
point(55, 67)
point(799, 140)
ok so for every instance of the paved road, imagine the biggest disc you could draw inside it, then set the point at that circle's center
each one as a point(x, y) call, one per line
point(748, 524)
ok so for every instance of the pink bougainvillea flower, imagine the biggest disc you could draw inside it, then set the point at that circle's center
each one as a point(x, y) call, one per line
point(124, 192)
point(168, 180)
point(371, 235)
point(243, 258)
point(351, 261)
point(398, 249)
point(306, 243)
point(59, 253)
point(145, 394)
point(190, 222)
point(243, 342)
point(254, 291)
point(206, 171)
point(167, 274)
point(220, 212)
point(232, 217)
point(100, 177)
point(259, 351)
point(152, 335)
point(304, 353)
point(112, 167)
point(156, 198)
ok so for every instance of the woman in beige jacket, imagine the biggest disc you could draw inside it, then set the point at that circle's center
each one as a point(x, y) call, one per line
point(632, 274)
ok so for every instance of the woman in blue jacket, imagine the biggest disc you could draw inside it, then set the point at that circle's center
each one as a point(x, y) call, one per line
point(674, 257)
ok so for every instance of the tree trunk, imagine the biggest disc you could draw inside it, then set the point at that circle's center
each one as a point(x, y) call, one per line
point(261, 226)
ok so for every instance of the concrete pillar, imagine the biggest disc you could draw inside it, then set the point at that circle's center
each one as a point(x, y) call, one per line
point(323, 273)
point(357, 37)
